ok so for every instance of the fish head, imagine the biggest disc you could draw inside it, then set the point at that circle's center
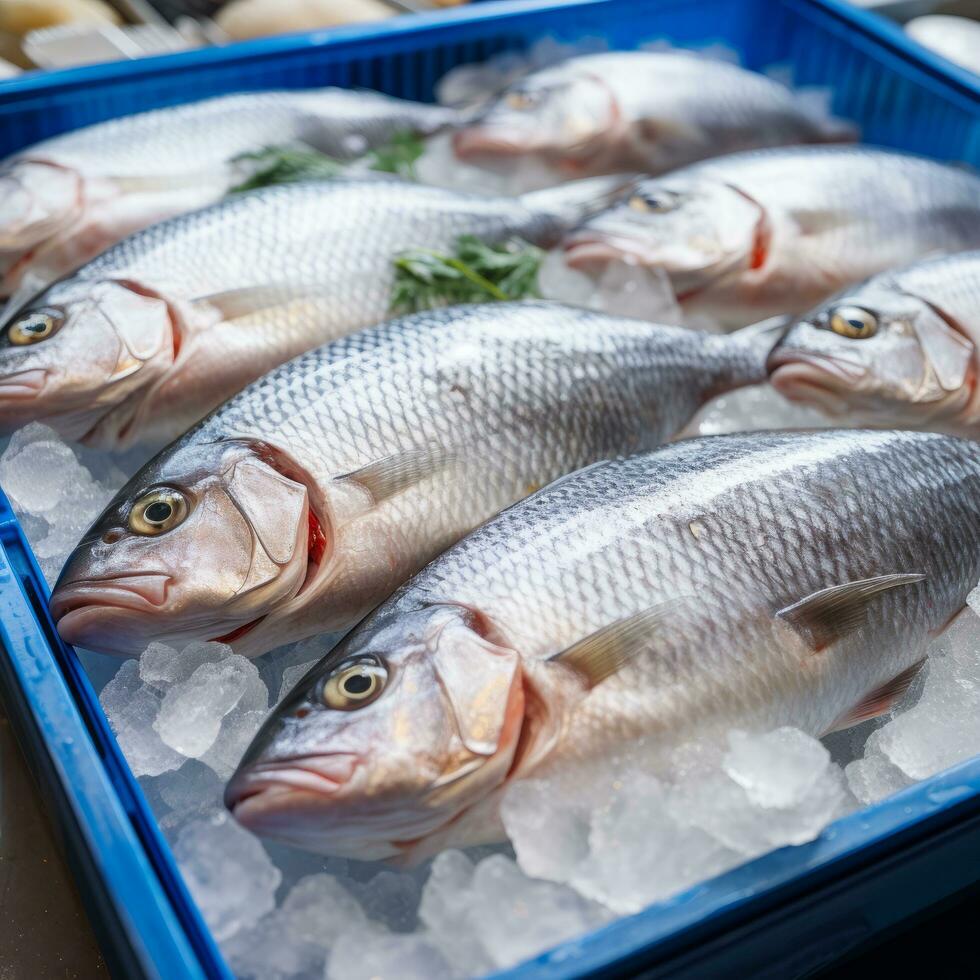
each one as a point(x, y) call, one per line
point(695, 231)
point(78, 350)
point(889, 355)
point(561, 115)
point(204, 542)
point(413, 720)
point(38, 200)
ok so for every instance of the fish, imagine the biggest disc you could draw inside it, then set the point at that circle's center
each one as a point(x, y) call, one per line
point(645, 111)
point(746, 581)
point(900, 350)
point(65, 199)
point(150, 336)
point(955, 38)
point(307, 498)
point(752, 235)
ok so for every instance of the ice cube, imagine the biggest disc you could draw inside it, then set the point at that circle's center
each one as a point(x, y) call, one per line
point(515, 916)
point(162, 666)
point(263, 952)
point(558, 281)
point(130, 705)
point(391, 898)
point(753, 408)
point(38, 476)
point(445, 911)
point(628, 288)
point(192, 711)
point(874, 777)
point(777, 768)
point(372, 954)
point(227, 871)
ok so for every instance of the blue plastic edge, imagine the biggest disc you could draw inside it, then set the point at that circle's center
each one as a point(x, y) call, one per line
point(127, 870)
point(107, 805)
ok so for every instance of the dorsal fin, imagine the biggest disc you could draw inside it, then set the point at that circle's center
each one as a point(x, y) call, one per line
point(830, 614)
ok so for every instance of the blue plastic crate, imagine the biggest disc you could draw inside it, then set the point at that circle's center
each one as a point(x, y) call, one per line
point(781, 915)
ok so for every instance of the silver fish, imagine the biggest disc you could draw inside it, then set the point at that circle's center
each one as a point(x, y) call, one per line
point(64, 200)
point(649, 111)
point(303, 501)
point(147, 338)
point(898, 350)
point(747, 581)
point(778, 231)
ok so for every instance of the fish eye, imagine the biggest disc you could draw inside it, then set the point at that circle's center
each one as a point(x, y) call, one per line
point(158, 511)
point(353, 685)
point(853, 322)
point(34, 327)
point(649, 202)
point(522, 101)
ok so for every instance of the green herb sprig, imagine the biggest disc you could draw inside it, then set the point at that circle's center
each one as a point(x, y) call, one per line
point(474, 272)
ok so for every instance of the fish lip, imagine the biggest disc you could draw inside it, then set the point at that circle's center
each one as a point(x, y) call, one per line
point(73, 598)
point(23, 385)
point(585, 251)
point(841, 370)
point(317, 775)
point(476, 141)
point(791, 384)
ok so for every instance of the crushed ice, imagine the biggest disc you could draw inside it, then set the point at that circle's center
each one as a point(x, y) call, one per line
point(585, 845)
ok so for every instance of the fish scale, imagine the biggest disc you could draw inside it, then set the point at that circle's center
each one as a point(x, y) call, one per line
point(251, 282)
point(505, 397)
point(609, 542)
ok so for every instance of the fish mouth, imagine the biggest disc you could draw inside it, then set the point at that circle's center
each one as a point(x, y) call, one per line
point(589, 252)
point(23, 385)
point(805, 381)
point(847, 372)
point(77, 607)
point(261, 792)
point(479, 141)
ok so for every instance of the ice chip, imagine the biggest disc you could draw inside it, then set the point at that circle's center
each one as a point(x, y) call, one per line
point(39, 476)
point(776, 769)
point(130, 705)
point(192, 711)
point(377, 955)
point(319, 909)
point(160, 666)
point(753, 408)
point(228, 872)
point(392, 898)
point(628, 288)
point(874, 777)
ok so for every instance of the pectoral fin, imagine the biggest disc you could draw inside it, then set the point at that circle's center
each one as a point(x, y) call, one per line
point(391, 475)
point(827, 615)
point(879, 701)
point(234, 304)
point(607, 650)
point(949, 352)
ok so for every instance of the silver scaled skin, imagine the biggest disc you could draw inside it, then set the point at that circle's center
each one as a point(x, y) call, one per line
point(707, 563)
point(754, 235)
point(644, 111)
point(64, 200)
point(304, 500)
point(150, 336)
point(898, 350)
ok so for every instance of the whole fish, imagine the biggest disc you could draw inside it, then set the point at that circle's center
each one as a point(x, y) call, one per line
point(147, 338)
point(648, 111)
point(899, 350)
point(64, 200)
point(778, 231)
point(303, 501)
point(747, 581)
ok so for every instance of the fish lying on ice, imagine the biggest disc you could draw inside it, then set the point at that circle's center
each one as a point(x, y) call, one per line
point(64, 200)
point(304, 500)
point(649, 111)
point(147, 338)
point(747, 581)
point(899, 350)
point(752, 235)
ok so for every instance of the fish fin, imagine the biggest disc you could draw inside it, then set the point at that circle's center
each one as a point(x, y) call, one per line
point(154, 183)
point(577, 200)
point(389, 475)
point(817, 221)
point(879, 701)
point(233, 304)
point(607, 650)
point(830, 614)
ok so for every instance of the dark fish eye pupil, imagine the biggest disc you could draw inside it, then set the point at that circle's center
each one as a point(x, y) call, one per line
point(158, 512)
point(35, 324)
point(357, 683)
point(856, 323)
